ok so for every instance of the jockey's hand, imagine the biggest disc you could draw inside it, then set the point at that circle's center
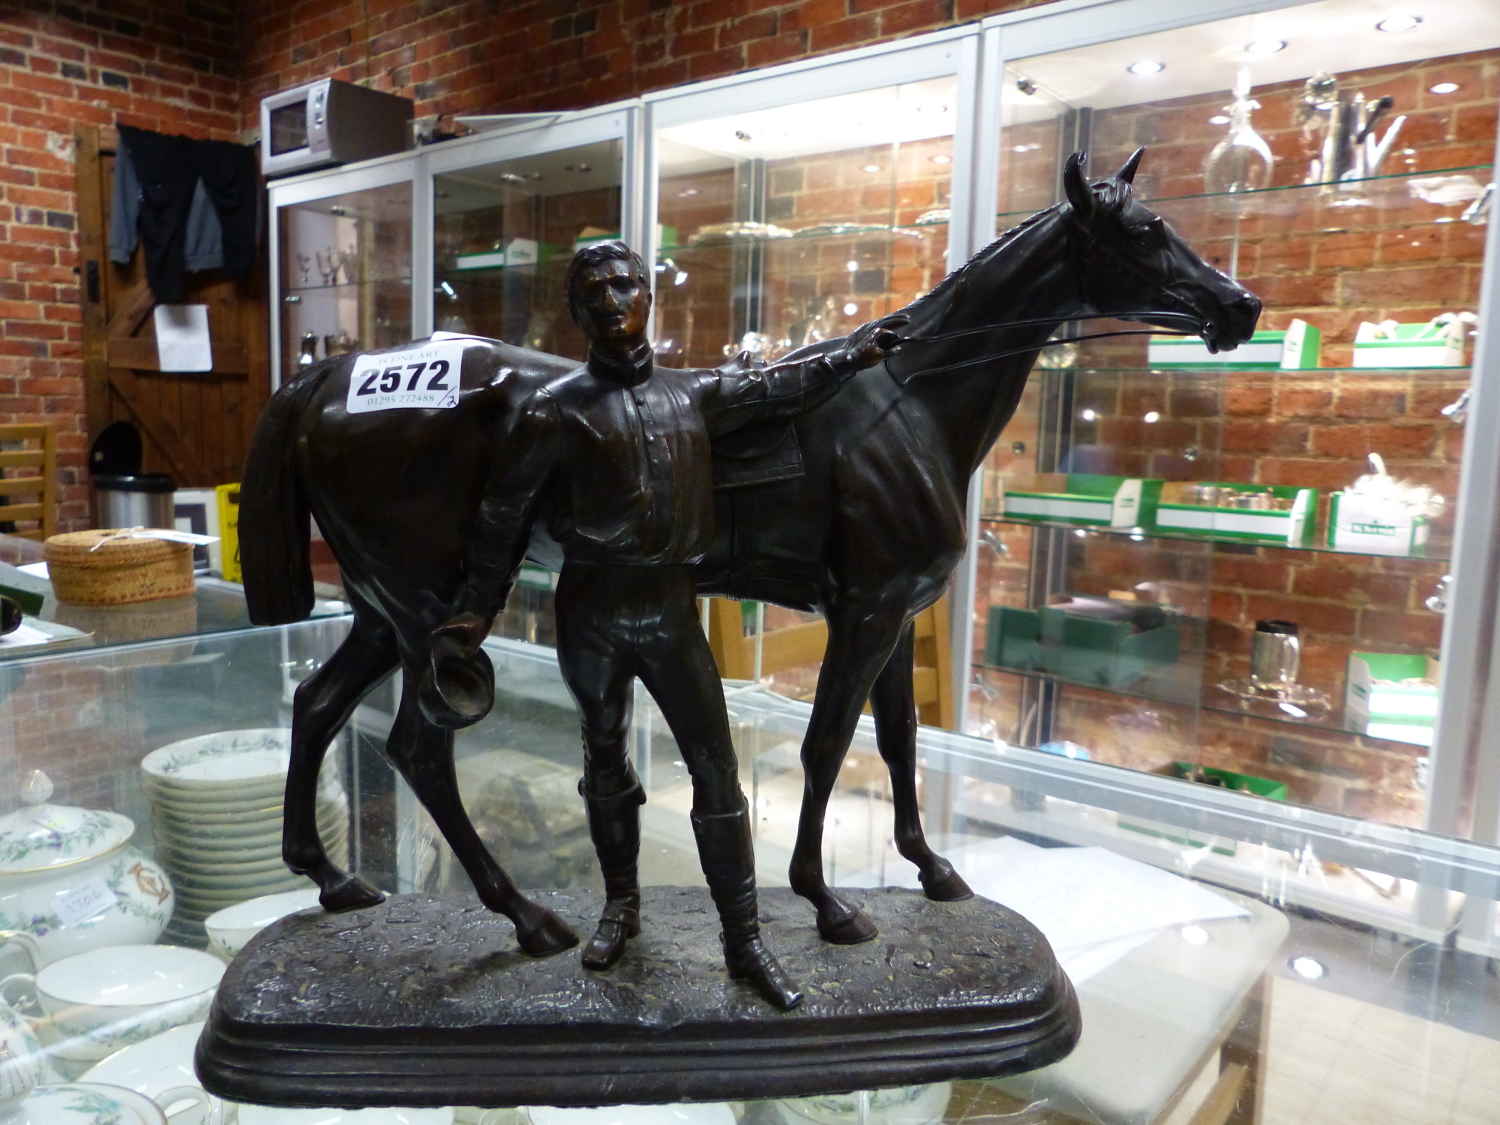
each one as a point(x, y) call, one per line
point(468, 629)
point(870, 343)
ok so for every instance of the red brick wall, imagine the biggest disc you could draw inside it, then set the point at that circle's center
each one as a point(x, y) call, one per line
point(503, 55)
point(200, 67)
point(163, 64)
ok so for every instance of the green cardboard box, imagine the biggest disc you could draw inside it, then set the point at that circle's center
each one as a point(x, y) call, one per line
point(1293, 348)
point(1082, 649)
point(1083, 498)
point(1377, 701)
point(1293, 527)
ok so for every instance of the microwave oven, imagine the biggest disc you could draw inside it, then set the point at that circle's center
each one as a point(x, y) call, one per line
point(330, 122)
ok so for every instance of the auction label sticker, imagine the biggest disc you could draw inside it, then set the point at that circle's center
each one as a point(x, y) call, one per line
point(424, 377)
point(87, 900)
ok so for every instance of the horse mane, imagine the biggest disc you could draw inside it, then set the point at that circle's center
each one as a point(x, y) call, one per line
point(1111, 196)
point(947, 294)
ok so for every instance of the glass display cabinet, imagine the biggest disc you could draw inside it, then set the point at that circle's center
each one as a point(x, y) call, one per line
point(1201, 995)
point(1302, 654)
point(793, 208)
point(342, 256)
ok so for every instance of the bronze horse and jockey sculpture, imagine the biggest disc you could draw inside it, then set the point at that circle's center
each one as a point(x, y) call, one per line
point(858, 511)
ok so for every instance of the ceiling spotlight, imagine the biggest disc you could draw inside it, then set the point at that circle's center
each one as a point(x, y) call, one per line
point(852, 266)
point(1264, 46)
point(1088, 415)
point(1443, 88)
point(949, 159)
point(872, 167)
point(1146, 66)
point(741, 135)
point(1308, 968)
point(850, 309)
point(1151, 416)
point(1398, 23)
point(1218, 119)
point(1025, 148)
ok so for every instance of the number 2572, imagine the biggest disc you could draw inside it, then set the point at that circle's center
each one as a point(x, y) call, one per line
point(390, 378)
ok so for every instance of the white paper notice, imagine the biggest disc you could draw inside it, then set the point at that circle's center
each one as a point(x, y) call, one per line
point(23, 635)
point(87, 900)
point(182, 338)
point(422, 377)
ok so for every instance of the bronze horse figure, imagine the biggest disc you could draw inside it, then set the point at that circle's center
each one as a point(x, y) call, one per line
point(868, 532)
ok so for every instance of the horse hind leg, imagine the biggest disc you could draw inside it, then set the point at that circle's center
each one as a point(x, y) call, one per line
point(424, 755)
point(895, 710)
point(858, 645)
point(321, 705)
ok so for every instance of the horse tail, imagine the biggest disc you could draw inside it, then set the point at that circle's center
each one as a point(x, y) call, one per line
point(274, 529)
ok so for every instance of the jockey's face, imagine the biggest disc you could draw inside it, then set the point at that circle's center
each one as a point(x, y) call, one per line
point(611, 304)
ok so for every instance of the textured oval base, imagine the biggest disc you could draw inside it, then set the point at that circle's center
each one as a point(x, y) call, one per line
point(426, 1000)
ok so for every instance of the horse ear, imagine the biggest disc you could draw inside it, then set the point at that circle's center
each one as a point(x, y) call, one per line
point(1126, 174)
point(1079, 194)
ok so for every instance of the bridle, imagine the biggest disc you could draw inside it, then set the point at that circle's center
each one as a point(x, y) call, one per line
point(1037, 322)
point(1195, 325)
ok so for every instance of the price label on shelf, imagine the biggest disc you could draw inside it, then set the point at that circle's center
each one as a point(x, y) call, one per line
point(424, 377)
point(87, 900)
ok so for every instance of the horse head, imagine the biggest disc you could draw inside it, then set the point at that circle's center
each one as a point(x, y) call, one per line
point(1132, 265)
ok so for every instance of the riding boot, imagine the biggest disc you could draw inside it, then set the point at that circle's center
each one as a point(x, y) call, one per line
point(728, 859)
point(615, 825)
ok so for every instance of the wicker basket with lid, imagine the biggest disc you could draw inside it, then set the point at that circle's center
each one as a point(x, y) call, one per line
point(121, 571)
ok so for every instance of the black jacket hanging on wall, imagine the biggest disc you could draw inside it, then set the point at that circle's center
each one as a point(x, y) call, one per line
point(168, 170)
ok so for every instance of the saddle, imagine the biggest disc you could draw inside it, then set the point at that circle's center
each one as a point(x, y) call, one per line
point(760, 453)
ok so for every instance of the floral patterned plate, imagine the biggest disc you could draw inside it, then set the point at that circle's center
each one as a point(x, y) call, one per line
point(225, 760)
point(86, 1103)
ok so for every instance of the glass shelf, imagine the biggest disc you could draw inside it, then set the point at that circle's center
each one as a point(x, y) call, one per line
point(1139, 534)
point(807, 235)
point(1265, 372)
point(348, 286)
point(1160, 689)
point(1349, 195)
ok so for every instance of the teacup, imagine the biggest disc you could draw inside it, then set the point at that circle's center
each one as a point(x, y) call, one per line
point(230, 929)
point(108, 998)
point(161, 1068)
point(276, 1115)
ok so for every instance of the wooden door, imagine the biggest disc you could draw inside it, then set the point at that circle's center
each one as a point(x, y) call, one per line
point(196, 426)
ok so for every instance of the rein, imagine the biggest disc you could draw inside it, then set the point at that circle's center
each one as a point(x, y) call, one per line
point(1036, 322)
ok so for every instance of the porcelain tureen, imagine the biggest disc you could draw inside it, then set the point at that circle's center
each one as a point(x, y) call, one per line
point(70, 881)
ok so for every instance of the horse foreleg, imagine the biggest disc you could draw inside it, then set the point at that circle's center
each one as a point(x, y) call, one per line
point(858, 646)
point(424, 755)
point(321, 705)
point(895, 710)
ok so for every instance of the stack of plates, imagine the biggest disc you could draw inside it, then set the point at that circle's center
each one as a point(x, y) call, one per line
point(216, 801)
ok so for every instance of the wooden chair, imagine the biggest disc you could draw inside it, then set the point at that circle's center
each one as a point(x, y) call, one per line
point(28, 458)
point(932, 678)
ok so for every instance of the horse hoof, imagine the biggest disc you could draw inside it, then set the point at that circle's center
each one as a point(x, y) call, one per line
point(846, 928)
point(946, 886)
point(547, 936)
point(350, 893)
